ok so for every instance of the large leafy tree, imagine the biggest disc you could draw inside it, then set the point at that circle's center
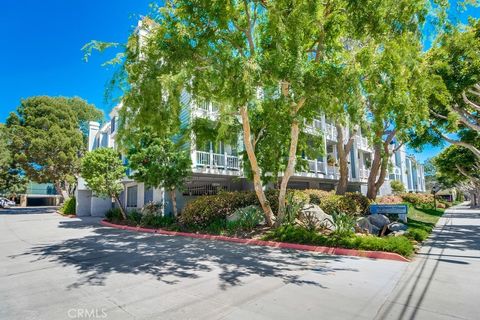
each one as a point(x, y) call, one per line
point(159, 163)
point(397, 88)
point(48, 137)
point(103, 171)
point(280, 61)
point(455, 61)
point(12, 182)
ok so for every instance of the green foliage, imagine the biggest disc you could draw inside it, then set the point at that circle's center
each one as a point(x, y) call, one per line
point(103, 170)
point(316, 195)
point(48, 136)
point(418, 198)
point(152, 208)
point(248, 218)
point(134, 217)
point(336, 203)
point(295, 234)
point(159, 162)
point(294, 204)
point(12, 181)
point(156, 221)
point(114, 215)
point(205, 209)
point(455, 165)
point(344, 224)
point(397, 186)
point(69, 207)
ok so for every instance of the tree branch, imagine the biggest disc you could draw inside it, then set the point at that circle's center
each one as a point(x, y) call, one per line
point(249, 29)
point(470, 147)
point(465, 120)
point(469, 102)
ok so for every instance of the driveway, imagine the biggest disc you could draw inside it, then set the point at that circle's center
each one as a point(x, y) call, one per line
point(58, 268)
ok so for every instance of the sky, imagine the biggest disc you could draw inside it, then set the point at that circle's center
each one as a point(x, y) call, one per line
point(41, 48)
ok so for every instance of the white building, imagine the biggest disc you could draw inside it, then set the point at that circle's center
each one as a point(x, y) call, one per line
point(217, 166)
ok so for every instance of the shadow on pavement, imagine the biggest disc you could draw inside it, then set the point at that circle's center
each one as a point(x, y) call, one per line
point(169, 259)
point(452, 243)
point(28, 210)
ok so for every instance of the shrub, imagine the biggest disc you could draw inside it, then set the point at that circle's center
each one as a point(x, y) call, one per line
point(335, 203)
point(152, 207)
point(417, 198)
point(249, 217)
point(134, 217)
point(397, 186)
point(392, 199)
point(69, 207)
point(204, 210)
point(295, 234)
point(294, 205)
point(114, 214)
point(344, 224)
point(418, 235)
point(362, 201)
point(156, 221)
point(316, 195)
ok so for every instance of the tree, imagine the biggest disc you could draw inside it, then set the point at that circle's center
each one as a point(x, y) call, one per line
point(397, 88)
point(12, 182)
point(430, 173)
point(455, 60)
point(280, 61)
point(160, 163)
point(459, 167)
point(103, 171)
point(46, 138)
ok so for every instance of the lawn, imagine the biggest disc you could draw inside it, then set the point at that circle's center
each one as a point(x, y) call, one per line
point(421, 222)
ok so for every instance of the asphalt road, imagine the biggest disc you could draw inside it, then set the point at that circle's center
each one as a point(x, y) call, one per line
point(59, 268)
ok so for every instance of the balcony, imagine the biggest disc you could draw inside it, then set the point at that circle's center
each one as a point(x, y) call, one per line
point(333, 172)
point(331, 132)
point(364, 174)
point(217, 161)
point(315, 127)
point(205, 110)
point(363, 144)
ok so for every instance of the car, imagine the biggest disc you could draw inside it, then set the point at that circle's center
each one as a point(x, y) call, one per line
point(5, 203)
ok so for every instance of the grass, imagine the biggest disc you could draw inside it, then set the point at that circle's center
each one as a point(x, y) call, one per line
point(421, 222)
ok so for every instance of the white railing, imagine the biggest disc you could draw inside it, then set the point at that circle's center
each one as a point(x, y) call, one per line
point(364, 173)
point(315, 166)
point(216, 160)
point(363, 143)
point(331, 132)
point(332, 171)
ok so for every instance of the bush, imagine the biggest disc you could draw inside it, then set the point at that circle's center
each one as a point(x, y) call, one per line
point(392, 199)
point(344, 224)
point(339, 204)
point(417, 198)
point(152, 207)
point(69, 207)
point(248, 218)
point(362, 201)
point(114, 214)
point(316, 195)
point(156, 221)
point(397, 186)
point(204, 210)
point(134, 217)
point(295, 234)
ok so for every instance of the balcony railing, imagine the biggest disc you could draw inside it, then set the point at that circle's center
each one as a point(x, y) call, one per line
point(331, 132)
point(315, 166)
point(216, 160)
point(364, 174)
point(363, 144)
point(333, 171)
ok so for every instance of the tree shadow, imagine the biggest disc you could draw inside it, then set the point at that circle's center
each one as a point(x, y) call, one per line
point(28, 210)
point(169, 259)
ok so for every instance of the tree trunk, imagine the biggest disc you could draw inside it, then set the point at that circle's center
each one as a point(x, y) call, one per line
point(372, 183)
point(257, 183)
point(343, 151)
point(120, 206)
point(289, 171)
point(174, 202)
point(62, 191)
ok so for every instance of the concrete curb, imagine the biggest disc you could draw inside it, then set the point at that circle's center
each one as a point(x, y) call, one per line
point(254, 242)
point(66, 216)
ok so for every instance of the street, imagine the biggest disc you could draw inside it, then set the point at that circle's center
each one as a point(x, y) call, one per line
point(53, 267)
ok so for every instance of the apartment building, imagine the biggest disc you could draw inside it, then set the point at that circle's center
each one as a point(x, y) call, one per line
point(217, 166)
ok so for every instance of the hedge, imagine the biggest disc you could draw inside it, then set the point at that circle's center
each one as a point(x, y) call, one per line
point(205, 210)
point(69, 206)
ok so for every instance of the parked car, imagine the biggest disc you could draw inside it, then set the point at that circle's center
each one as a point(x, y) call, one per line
point(5, 203)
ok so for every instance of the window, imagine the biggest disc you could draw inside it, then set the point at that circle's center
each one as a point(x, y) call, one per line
point(113, 124)
point(132, 196)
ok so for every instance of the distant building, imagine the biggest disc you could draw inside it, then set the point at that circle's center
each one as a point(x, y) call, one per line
point(40, 194)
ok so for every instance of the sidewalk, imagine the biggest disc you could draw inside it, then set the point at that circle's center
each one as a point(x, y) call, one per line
point(444, 280)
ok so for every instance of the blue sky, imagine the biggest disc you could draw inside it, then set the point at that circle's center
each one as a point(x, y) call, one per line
point(41, 42)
